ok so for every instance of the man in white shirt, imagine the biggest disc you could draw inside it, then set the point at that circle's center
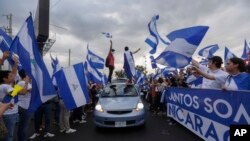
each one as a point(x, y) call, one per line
point(214, 69)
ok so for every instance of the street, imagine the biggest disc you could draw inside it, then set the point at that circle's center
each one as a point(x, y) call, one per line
point(156, 128)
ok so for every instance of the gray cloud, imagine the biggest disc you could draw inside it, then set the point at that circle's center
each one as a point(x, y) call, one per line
point(127, 21)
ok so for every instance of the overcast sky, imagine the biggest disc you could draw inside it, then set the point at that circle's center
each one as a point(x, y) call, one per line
point(78, 22)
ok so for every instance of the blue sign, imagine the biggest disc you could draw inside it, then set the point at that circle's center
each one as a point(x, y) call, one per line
point(208, 113)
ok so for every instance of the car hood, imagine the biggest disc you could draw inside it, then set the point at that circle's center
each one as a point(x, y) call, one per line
point(119, 103)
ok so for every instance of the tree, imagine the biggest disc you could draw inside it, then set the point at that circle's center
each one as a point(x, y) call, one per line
point(141, 69)
point(120, 74)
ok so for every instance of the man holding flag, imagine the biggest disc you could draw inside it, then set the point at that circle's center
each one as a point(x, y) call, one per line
point(110, 62)
point(129, 63)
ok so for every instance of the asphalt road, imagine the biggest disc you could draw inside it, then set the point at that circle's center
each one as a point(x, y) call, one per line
point(156, 129)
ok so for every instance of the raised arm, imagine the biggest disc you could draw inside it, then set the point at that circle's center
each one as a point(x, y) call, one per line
point(195, 63)
point(14, 69)
point(111, 44)
point(6, 54)
point(137, 50)
point(202, 73)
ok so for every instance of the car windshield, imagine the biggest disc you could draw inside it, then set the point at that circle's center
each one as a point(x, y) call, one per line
point(119, 90)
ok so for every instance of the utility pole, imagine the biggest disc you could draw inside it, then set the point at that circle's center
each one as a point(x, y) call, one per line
point(8, 29)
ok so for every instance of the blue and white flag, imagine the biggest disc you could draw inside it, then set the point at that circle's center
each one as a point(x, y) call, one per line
point(129, 64)
point(56, 67)
point(5, 41)
point(245, 51)
point(193, 80)
point(183, 44)
point(55, 64)
point(153, 63)
point(107, 35)
point(204, 61)
point(72, 86)
point(152, 40)
point(92, 73)
point(25, 46)
point(94, 60)
point(228, 55)
point(167, 71)
point(208, 51)
point(154, 37)
point(140, 78)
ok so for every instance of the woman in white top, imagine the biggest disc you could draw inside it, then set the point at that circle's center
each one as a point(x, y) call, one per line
point(237, 78)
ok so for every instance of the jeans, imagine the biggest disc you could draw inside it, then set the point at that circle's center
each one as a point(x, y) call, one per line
point(111, 69)
point(46, 110)
point(10, 123)
point(24, 118)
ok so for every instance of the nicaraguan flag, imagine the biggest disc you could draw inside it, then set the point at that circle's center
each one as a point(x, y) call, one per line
point(72, 86)
point(140, 78)
point(158, 73)
point(107, 35)
point(167, 71)
point(183, 44)
point(228, 55)
point(204, 62)
point(94, 60)
point(245, 51)
point(25, 46)
point(208, 51)
point(153, 39)
point(92, 73)
point(153, 63)
point(56, 67)
point(55, 64)
point(5, 41)
point(129, 64)
point(193, 80)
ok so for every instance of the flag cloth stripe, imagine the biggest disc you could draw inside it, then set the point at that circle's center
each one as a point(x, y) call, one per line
point(25, 46)
point(246, 50)
point(64, 89)
point(183, 44)
point(74, 86)
point(129, 65)
point(80, 75)
point(208, 51)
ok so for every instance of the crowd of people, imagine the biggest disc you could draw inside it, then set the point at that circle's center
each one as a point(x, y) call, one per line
point(15, 111)
point(234, 76)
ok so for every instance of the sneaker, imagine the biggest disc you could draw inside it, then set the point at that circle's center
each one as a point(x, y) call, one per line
point(75, 121)
point(82, 121)
point(34, 135)
point(70, 131)
point(83, 117)
point(48, 135)
point(62, 130)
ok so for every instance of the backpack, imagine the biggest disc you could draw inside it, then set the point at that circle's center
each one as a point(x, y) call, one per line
point(107, 62)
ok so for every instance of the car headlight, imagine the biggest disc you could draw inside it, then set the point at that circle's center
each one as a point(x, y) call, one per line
point(139, 106)
point(98, 107)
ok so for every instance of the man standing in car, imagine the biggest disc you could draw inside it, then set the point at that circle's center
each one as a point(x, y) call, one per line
point(110, 62)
